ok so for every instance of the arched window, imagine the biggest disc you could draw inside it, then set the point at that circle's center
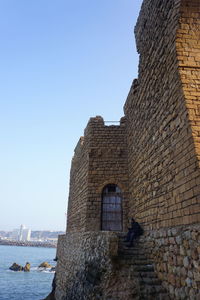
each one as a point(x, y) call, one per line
point(111, 215)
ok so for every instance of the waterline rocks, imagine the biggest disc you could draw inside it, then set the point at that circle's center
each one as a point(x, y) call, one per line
point(27, 267)
point(15, 267)
point(45, 265)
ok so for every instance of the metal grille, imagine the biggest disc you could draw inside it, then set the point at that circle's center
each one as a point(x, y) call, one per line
point(111, 208)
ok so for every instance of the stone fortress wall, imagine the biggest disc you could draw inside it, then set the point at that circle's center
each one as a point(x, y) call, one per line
point(153, 156)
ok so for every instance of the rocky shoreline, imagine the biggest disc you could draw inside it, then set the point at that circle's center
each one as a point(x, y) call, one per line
point(43, 266)
point(27, 244)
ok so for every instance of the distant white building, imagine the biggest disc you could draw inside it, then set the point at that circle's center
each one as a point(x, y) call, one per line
point(26, 234)
point(22, 234)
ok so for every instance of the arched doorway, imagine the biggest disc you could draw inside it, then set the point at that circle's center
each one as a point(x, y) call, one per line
point(111, 212)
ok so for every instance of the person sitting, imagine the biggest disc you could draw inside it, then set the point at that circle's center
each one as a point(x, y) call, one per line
point(133, 232)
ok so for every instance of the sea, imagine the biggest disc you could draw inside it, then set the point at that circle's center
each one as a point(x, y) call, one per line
point(33, 285)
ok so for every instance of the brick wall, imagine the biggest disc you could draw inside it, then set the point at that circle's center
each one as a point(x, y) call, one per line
point(162, 156)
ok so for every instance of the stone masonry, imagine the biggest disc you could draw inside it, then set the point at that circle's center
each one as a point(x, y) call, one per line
point(153, 156)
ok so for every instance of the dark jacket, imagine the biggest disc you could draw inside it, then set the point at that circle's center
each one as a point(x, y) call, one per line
point(136, 228)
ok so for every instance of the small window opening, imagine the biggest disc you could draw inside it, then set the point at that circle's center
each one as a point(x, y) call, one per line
point(111, 216)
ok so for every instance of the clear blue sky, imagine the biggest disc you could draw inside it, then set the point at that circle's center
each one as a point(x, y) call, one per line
point(61, 62)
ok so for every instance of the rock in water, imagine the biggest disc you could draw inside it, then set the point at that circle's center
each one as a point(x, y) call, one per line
point(45, 265)
point(27, 267)
point(16, 267)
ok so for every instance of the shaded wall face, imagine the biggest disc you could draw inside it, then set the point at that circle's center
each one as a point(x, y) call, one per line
point(163, 164)
point(78, 192)
point(188, 51)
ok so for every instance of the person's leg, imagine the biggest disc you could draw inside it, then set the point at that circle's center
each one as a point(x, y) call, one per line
point(128, 236)
point(132, 237)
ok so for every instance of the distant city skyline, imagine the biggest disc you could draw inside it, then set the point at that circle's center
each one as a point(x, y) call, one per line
point(62, 62)
point(39, 230)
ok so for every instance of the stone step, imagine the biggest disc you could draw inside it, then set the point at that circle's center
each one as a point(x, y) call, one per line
point(150, 281)
point(135, 247)
point(144, 268)
point(132, 253)
point(124, 235)
point(135, 262)
point(135, 242)
point(133, 250)
point(152, 290)
point(148, 274)
point(163, 296)
point(138, 240)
